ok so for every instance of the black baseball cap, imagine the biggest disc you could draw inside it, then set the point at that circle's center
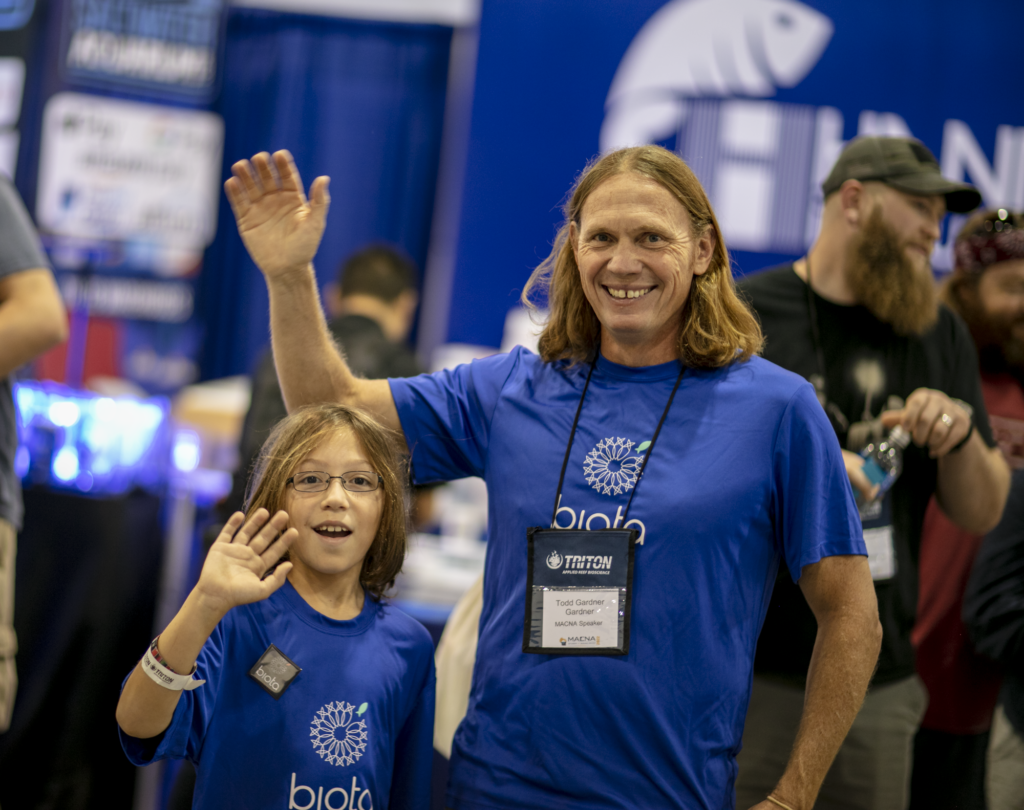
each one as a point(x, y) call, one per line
point(903, 163)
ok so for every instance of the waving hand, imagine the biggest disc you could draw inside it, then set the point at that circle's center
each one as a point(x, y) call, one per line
point(280, 228)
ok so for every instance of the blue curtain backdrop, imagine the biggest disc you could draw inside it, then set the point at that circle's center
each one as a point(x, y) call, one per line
point(361, 102)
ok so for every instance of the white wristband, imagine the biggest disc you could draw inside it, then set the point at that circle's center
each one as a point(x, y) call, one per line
point(167, 679)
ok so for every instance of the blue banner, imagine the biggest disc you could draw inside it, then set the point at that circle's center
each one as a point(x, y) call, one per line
point(758, 96)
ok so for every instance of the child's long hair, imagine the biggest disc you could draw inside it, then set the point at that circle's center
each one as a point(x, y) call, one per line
point(294, 438)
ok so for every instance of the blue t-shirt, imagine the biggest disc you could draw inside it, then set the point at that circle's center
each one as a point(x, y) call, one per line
point(746, 469)
point(354, 730)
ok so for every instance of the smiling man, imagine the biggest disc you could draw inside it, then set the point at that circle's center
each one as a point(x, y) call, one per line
point(859, 317)
point(646, 473)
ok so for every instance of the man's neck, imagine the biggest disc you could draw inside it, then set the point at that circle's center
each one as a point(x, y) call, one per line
point(380, 312)
point(827, 263)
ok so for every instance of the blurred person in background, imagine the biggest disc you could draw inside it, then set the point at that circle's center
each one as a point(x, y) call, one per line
point(371, 307)
point(32, 320)
point(859, 317)
point(986, 288)
point(994, 614)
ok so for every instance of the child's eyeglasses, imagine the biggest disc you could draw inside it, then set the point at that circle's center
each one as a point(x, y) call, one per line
point(359, 481)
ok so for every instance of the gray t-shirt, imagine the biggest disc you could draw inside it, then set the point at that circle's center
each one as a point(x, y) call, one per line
point(19, 250)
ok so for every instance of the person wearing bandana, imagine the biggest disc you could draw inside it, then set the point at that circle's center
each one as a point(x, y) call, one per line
point(646, 474)
point(986, 288)
point(859, 317)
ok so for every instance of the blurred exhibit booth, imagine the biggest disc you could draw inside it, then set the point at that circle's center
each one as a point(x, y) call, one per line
point(450, 128)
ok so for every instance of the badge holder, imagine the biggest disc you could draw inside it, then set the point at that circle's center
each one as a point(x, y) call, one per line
point(579, 583)
point(579, 588)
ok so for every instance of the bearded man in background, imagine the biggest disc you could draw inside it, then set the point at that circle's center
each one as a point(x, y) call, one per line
point(859, 318)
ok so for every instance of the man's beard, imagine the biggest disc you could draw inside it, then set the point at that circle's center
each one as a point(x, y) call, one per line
point(886, 281)
point(998, 348)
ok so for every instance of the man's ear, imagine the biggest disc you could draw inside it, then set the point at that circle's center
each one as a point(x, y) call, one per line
point(852, 200)
point(705, 251)
point(574, 235)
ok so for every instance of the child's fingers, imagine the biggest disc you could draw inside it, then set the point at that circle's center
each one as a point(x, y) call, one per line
point(266, 535)
point(251, 527)
point(276, 579)
point(229, 529)
point(276, 549)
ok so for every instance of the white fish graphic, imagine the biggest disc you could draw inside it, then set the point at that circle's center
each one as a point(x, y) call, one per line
point(692, 48)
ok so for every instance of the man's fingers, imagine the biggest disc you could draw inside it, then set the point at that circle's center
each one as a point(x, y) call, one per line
point(288, 172)
point(320, 200)
point(891, 418)
point(242, 170)
point(854, 469)
point(264, 172)
point(237, 197)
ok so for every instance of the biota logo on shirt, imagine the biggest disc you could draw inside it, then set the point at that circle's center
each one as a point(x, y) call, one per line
point(554, 560)
point(304, 797)
point(611, 470)
point(336, 735)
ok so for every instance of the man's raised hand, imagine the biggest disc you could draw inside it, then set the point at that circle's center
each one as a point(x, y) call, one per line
point(280, 228)
point(233, 573)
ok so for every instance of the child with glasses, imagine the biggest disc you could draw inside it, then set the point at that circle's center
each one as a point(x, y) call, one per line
point(286, 677)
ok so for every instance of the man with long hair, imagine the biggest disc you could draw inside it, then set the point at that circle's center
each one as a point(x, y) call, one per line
point(859, 317)
point(647, 385)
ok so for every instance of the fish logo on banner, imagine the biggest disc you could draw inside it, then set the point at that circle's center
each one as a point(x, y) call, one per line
point(721, 48)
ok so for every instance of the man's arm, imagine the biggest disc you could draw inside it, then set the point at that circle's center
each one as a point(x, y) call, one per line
point(32, 317)
point(282, 230)
point(841, 595)
point(974, 481)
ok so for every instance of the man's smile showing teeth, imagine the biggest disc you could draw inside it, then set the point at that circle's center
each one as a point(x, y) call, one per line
point(614, 293)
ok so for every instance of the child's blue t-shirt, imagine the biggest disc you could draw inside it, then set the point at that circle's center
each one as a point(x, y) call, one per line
point(746, 470)
point(354, 730)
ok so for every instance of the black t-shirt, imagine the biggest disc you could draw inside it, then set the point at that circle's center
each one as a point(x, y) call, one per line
point(868, 369)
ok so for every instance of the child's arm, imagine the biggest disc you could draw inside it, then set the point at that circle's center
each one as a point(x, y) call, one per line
point(232, 575)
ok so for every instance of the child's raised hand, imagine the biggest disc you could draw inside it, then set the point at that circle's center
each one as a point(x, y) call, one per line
point(240, 557)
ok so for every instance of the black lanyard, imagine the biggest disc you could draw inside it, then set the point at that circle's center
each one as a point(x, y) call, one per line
point(647, 455)
point(840, 424)
point(812, 312)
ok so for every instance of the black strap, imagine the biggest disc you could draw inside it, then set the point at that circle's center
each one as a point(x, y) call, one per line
point(812, 312)
point(647, 455)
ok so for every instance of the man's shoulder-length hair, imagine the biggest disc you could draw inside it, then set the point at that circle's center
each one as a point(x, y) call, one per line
point(718, 328)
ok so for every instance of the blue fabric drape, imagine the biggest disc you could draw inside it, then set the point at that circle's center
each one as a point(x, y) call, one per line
point(362, 102)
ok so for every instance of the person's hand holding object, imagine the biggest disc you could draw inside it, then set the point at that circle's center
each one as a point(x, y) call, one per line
point(933, 420)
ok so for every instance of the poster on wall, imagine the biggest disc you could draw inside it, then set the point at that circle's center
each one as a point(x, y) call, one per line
point(758, 96)
point(152, 46)
point(144, 175)
point(16, 40)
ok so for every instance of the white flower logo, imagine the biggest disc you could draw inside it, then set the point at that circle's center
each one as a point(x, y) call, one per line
point(554, 559)
point(335, 737)
point(610, 469)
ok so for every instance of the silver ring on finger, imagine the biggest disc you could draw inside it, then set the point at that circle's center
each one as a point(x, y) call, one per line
point(947, 420)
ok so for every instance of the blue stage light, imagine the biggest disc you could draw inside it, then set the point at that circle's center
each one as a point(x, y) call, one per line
point(187, 450)
point(65, 464)
point(90, 443)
